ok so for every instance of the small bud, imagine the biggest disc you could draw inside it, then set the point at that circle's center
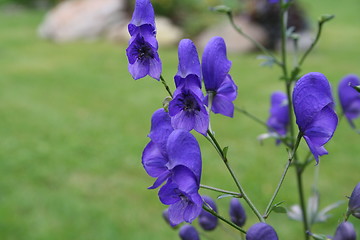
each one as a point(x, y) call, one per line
point(354, 202)
point(345, 231)
point(206, 220)
point(188, 232)
point(261, 231)
point(237, 212)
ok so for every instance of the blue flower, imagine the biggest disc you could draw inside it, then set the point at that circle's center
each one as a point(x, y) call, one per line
point(237, 212)
point(188, 232)
point(349, 98)
point(279, 114)
point(354, 202)
point(208, 221)
point(315, 116)
point(345, 231)
point(221, 89)
point(261, 231)
point(142, 51)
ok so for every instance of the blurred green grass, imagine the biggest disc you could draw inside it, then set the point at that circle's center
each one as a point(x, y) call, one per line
point(74, 123)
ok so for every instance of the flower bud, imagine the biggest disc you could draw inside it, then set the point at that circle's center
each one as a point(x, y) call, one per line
point(345, 231)
point(261, 231)
point(188, 232)
point(206, 220)
point(354, 202)
point(237, 212)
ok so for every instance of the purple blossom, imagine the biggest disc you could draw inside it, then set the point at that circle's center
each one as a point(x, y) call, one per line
point(169, 148)
point(206, 220)
point(345, 231)
point(188, 112)
point(261, 231)
point(218, 82)
point(315, 116)
point(354, 202)
point(181, 193)
point(237, 212)
point(275, 1)
point(189, 70)
point(349, 97)
point(142, 51)
point(279, 114)
point(188, 232)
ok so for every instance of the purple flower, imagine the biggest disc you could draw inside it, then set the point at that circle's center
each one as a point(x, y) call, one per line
point(219, 85)
point(142, 51)
point(189, 70)
point(349, 97)
point(181, 193)
point(279, 114)
point(168, 149)
point(345, 231)
point(237, 212)
point(261, 231)
point(188, 232)
point(354, 202)
point(188, 112)
point(206, 220)
point(275, 1)
point(315, 116)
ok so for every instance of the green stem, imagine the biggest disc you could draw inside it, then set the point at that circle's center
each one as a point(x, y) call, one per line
point(291, 157)
point(302, 201)
point(208, 209)
point(256, 43)
point(235, 194)
point(165, 85)
point(214, 142)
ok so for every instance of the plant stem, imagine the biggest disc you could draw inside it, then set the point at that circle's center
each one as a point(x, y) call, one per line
point(206, 208)
point(256, 43)
point(302, 201)
point(214, 142)
point(165, 85)
point(236, 194)
point(291, 157)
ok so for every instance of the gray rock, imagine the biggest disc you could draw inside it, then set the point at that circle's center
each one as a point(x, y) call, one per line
point(83, 19)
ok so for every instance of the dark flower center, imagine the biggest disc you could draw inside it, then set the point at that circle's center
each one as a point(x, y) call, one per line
point(189, 103)
point(145, 51)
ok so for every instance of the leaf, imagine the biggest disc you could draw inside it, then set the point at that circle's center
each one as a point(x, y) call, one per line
point(290, 31)
point(295, 213)
point(325, 18)
point(320, 237)
point(227, 195)
point(221, 9)
point(279, 209)
point(323, 215)
point(225, 151)
point(268, 61)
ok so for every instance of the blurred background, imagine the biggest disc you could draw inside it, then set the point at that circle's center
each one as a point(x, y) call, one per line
point(74, 123)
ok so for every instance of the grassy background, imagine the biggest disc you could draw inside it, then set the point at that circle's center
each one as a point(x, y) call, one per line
point(74, 123)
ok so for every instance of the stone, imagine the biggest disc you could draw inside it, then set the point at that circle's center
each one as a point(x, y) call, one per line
point(83, 19)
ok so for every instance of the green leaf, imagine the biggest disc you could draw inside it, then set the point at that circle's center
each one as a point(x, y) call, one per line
point(279, 209)
point(325, 18)
point(268, 60)
point(221, 9)
point(225, 151)
point(320, 237)
point(226, 195)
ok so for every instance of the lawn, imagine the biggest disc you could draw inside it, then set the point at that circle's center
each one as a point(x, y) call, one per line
point(74, 124)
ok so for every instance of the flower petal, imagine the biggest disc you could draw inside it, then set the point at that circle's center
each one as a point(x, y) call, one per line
point(143, 14)
point(188, 60)
point(160, 127)
point(312, 93)
point(183, 149)
point(153, 160)
point(215, 65)
point(169, 193)
point(222, 105)
point(193, 208)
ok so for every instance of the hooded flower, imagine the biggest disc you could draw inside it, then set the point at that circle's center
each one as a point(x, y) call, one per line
point(189, 70)
point(221, 89)
point(261, 231)
point(181, 193)
point(354, 202)
point(188, 232)
point(142, 51)
point(208, 221)
point(169, 148)
point(279, 114)
point(349, 98)
point(237, 212)
point(345, 231)
point(315, 116)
